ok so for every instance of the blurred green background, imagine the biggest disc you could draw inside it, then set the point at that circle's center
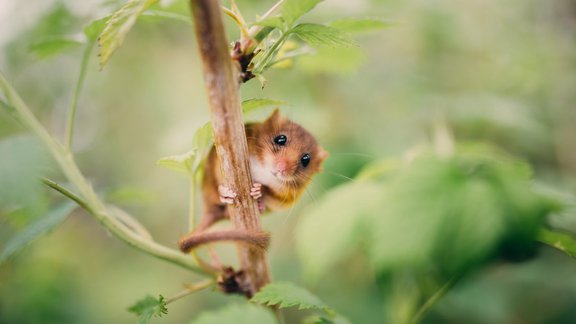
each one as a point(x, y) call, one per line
point(495, 72)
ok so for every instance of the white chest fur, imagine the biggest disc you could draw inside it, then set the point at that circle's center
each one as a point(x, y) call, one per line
point(261, 173)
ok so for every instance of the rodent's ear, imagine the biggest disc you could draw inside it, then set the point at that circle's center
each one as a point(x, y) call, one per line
point(322, 154)
point(275, 117)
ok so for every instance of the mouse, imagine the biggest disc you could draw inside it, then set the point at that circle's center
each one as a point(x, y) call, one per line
point(284, 157)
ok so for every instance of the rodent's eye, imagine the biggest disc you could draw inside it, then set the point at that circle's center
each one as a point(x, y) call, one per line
point(305, 159)
point(280, 140)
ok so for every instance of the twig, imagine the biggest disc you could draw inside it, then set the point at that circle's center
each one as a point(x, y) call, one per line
point(190, 289)
point(77, 90)
point(87, 197)
point(434, 299)
point(222, 87)
point(132, 238)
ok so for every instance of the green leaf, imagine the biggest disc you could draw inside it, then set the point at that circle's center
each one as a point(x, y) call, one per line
point(292, 10)
point(284, 295)
point(42, 226)
point(191, 161)
point(340, 215)
point(163, 14)
point(181, 162)
point(274, 22)
point(119, 25)
point(250, 105)
point(54, 46)
point(203, 138)
point(321, 35)
point(561, 241)
point(148, 307)
point(94, 28)
point(358, 25)
point(245, 313)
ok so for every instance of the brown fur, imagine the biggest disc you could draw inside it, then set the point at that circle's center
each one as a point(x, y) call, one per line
point(261, 147)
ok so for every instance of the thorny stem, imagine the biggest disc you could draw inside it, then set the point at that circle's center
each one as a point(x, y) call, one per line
point(87, 197)
point(222, 87)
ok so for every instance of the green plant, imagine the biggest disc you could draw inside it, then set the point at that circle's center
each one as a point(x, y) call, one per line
point(496, 212)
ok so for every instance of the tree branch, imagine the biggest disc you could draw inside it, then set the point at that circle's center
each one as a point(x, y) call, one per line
point(222, 87)
point(87, 197)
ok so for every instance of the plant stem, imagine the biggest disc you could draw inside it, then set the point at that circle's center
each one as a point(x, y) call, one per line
point(561, 241)
point(270, 53)
point(192, 204)
point(88, 197)
point(77, 91)
point(434, 299)
point(190, 289)
point(222, 87)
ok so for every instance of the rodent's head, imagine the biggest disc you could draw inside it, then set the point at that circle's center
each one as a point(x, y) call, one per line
point(287, 151)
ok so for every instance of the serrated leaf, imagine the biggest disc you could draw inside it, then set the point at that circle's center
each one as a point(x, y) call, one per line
point(340, 215)
point(318, 319)
point(274, 22)
point(163, 14)
point(250, 105)
point(191, 161)
point(54, 46)
point(245, 313)
point(285, 294)
point(358, 25)
point(149, 307)
point(181, 162)
point(42, 226)
point(202, 140)
point(320, 35)
point(292, 10)
point(119, 25)
point(94, 28)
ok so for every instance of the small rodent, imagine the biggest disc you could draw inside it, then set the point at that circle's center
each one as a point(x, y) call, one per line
point(283, 158)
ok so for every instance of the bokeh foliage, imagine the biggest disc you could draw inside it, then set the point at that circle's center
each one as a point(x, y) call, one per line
point(379, 227)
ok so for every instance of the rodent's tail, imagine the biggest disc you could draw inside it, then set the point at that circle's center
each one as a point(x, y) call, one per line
point(194, 240)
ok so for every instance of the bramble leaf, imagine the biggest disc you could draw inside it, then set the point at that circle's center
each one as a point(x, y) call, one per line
point(191, 161)
point(284, 295)
point(36, 229)
point(274, 22)
point(163, 14)
point(94, 28)
point(340, 216)
point(358, 25)
point(482, 200)
point(54, 46)
point(250, 105)
point(181, 162)
point(245, 313)
point(292, 10)
point(149, 307)
point(320, 35)
point(119, 25)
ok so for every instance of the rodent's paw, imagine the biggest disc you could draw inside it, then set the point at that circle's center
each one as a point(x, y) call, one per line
point(256, 191)
point(226, 195)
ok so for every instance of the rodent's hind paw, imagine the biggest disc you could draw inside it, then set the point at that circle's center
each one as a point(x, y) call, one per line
point(226, 195)
point(256, 191)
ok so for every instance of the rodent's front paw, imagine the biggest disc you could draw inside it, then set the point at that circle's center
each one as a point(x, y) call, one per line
point(256, 191)
point(226, 195)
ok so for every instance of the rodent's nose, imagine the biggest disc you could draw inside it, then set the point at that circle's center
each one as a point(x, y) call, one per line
point(281, 166)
